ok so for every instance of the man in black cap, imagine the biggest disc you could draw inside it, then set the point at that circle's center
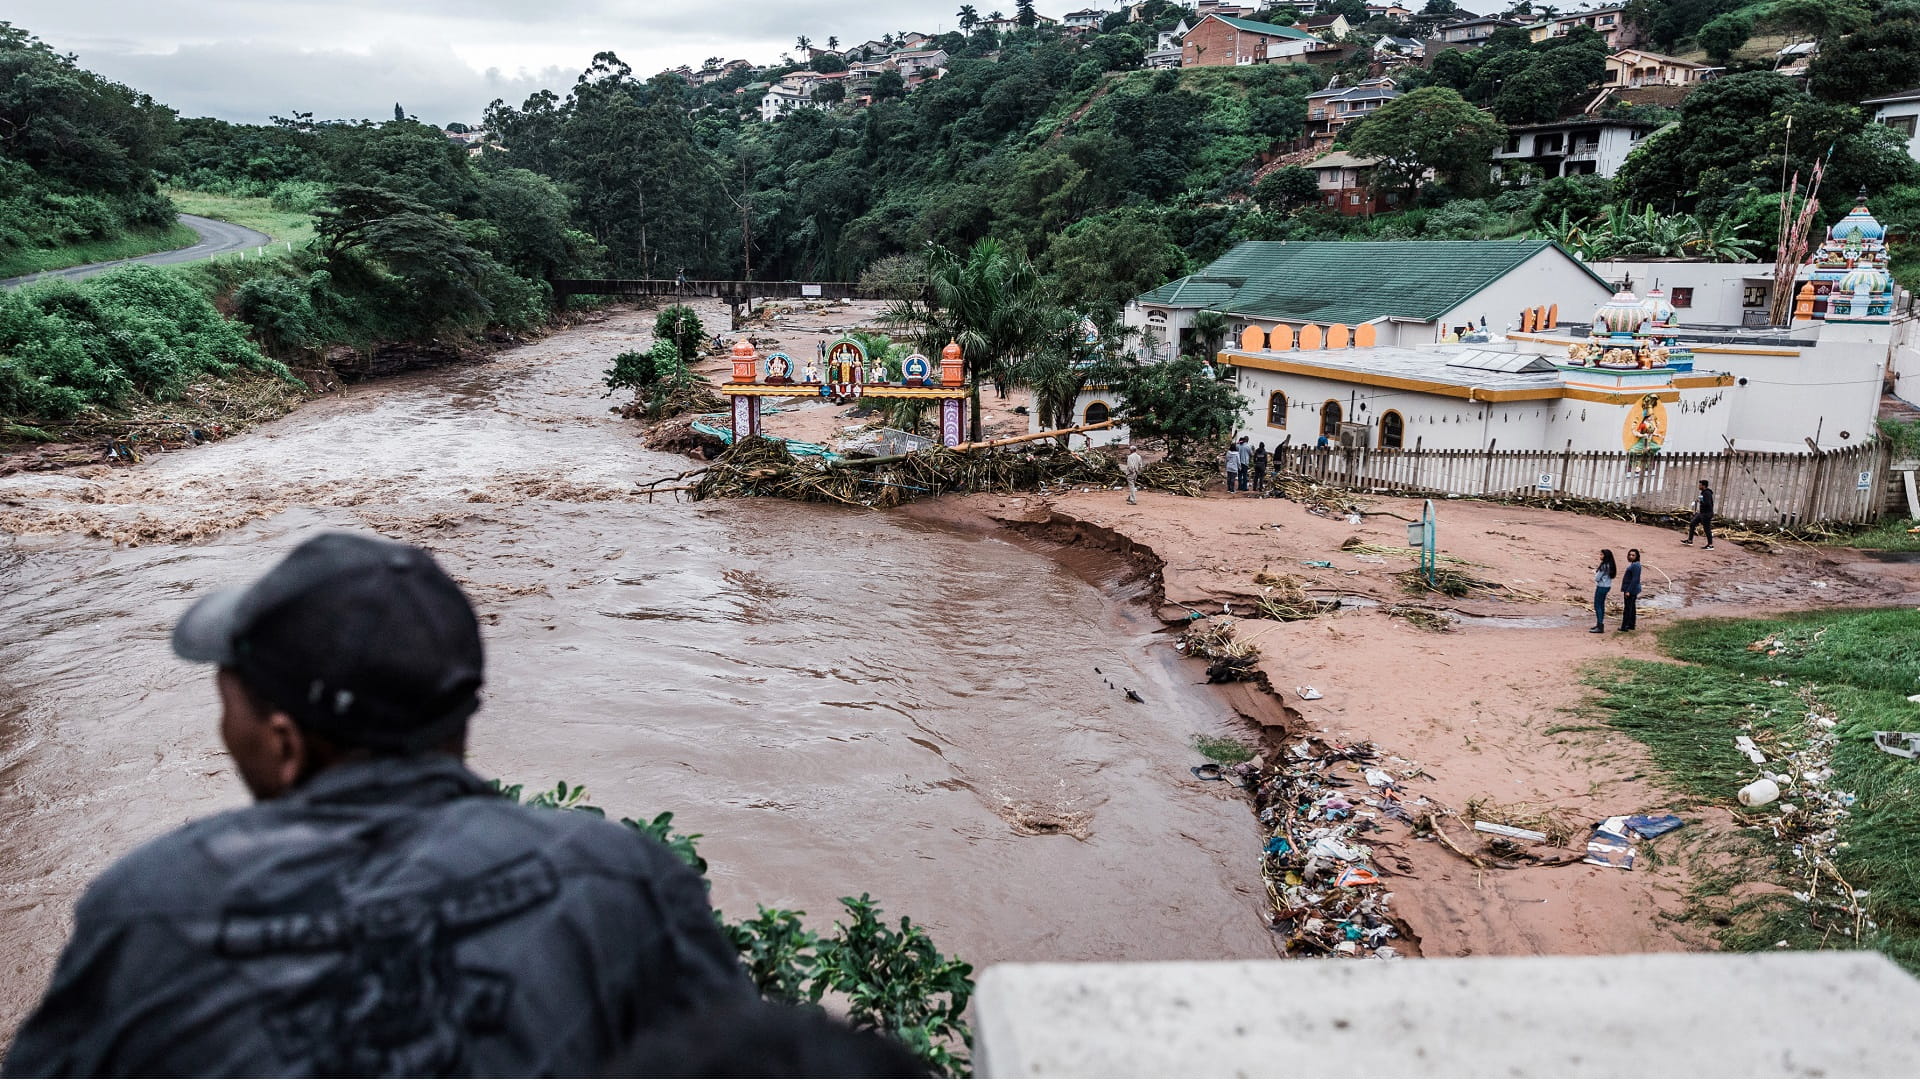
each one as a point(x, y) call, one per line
point(378, 911)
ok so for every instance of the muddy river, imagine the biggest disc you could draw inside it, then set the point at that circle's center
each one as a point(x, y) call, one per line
point(840, 701)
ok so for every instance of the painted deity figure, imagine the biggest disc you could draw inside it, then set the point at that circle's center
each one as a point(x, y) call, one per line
point(811, 373)
point(779, 368)
point(876, 371)
point(1646, 428)
point(916, 369)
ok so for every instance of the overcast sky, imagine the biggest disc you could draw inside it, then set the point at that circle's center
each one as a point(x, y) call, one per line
point(444, 60)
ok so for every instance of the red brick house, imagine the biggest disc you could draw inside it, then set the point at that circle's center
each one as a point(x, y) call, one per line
point(1218, 41)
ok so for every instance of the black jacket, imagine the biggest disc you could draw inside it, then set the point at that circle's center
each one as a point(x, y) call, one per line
point(1703, 504)
point(389, 917)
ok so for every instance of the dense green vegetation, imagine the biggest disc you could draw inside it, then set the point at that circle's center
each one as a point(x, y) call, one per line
point(887, 978)
point(76, 160)
point(1768, 678)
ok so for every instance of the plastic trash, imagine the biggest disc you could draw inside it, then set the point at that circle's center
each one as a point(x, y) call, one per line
point(1508, 831)
point(1904, 744)
point(1319, 564)
point(1308, 693)
point(1356, 875)
point(1648, 826)
point(1744, 744)
point(1759, 793)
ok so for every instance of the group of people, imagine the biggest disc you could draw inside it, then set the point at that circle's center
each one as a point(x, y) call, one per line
point(380, 910)
point(1247, 466)
point(1609, 571)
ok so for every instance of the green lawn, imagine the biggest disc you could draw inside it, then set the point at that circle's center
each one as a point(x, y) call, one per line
point(255, 213)
point(1860, 665)
point(1889, 535)
point(144, 242)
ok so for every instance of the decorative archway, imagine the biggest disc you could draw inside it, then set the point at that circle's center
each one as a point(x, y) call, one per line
point(1277, 409)
point(1098, 412)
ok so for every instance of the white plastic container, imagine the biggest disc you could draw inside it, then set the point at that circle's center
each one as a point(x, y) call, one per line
point(1759, 793)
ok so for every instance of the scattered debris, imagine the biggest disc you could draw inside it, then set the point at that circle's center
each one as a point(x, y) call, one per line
point(1214, 639)
point(1509, 831)
point(1609, 845)
point(1649, 826)
point(1428, 619)
point(1904, 744)
point(1744, 744)
point(1323, 880)
point(1807, 819)
point(1308, 693)
point(1759, 793)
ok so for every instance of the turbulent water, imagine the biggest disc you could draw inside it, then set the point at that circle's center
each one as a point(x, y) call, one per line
point(840, 701)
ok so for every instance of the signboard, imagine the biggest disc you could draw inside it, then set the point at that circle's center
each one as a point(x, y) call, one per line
point(1865, 482)
point(809, 290)
point(1545, 483)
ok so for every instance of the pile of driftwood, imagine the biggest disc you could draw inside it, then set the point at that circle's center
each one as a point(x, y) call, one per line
point(763, 467)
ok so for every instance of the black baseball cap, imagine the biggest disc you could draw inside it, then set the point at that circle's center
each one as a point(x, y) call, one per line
point(364, 641)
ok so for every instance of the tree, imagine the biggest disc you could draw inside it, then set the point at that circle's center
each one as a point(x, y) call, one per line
point(1286, 189)
point(1209, 330)
point(1815, 18)
point(1102, 262)
point(1440, 7)
point(399, 114)
point(1878, 60)
point(804, 43)
point(1430, 129)
point(833, 42)
point(1176, 401)
point(1024, 14)
point(889, 86)
point(989, 301)
point(679, 326)
point(969, 18)
point(1724, 34)
point(830, 91)
point(418, 266)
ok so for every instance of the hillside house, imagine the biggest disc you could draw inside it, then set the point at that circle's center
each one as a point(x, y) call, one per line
point(1610, 23)
point(1170, 38)
point(1700, 294)
point(1391, 51)
point(1388, 11)
point(1581, 146)
point(782, 98)
point(1218, 41)
point(1335, 107)
point(920, 63)
point(1162, 58)
point(1345, 185)
point(1327, 27)
point(1901, 112)
point(1471, 33)
point(1636, 67)
point(1203, 8)
point(1084, 19)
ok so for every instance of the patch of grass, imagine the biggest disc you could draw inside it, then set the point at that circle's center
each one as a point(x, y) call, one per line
point(1860, 664)
point(26, 433)
point(1889, 535)
point(1222, 751)
point(295, 226)
point(126, 246)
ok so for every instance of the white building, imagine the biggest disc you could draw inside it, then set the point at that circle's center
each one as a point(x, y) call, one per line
point(1581, 146)
point(1901, 112)
point(781, 99)
point(1701, 294)
point(920, 62)
point(1407, 292)
point(1084, 19)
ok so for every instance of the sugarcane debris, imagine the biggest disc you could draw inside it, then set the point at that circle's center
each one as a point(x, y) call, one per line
point(1806, 821)
point(1216, 641)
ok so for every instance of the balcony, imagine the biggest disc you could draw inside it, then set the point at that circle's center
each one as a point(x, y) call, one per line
point(1583, 152)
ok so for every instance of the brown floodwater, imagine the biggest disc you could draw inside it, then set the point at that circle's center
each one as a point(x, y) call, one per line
point(838, 700)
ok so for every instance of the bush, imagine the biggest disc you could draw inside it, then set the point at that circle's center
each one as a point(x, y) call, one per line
point(66, 346)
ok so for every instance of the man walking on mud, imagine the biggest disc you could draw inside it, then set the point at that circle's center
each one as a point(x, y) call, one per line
point(1132, 471)
point(1702, 515)
point(379, 910)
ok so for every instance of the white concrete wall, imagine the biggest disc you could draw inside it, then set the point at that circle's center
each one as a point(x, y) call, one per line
point(1718, 288)
point(1830, 394)
point(1104, 437)
point(1615, 144)
point(1884, 113)
point(1905, 362)
point(1546, 279)
point(1677, 1014)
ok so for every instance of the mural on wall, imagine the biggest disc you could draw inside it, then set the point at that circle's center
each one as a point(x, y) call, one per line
point(1645, 431)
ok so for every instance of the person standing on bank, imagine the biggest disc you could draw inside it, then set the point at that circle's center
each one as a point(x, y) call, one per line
point(1630, 591)
point(1132, 471)
point(1702, 515)
point(1260, 458)
point(1603, 576)
point(1233, 467)
point(379, 910)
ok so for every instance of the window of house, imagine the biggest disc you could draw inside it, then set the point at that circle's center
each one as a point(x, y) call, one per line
point(1330, 419)
point(1513, 145)
point(1682, 298)
point(1753, 296)
point(1611, 75)
point(1393, 429)
point(1277, 409)
point(1353, 200)
point(1903, 124)
point(1098, 413)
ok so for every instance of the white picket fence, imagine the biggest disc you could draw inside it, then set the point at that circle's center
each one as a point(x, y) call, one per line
point(1834, 486)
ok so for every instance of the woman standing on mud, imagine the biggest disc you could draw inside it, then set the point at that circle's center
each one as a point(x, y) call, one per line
point(1602, 584)
point(1630, 590)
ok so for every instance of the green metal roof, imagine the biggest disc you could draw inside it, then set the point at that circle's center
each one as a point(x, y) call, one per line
point(1352, 281)
point(1269, 29)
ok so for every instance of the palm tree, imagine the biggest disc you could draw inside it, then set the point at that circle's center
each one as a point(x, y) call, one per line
point(1211, 328)
point(990, 302)
point(969, 18)
point(804, 42)
point(1719, 240)
point(833, 43)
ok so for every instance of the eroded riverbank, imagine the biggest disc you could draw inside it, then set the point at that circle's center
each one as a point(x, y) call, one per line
point(840, 702)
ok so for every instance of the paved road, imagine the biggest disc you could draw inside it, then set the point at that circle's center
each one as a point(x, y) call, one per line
point(216, 238)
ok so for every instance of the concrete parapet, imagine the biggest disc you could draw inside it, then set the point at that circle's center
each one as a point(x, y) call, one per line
point(1680, 1015)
